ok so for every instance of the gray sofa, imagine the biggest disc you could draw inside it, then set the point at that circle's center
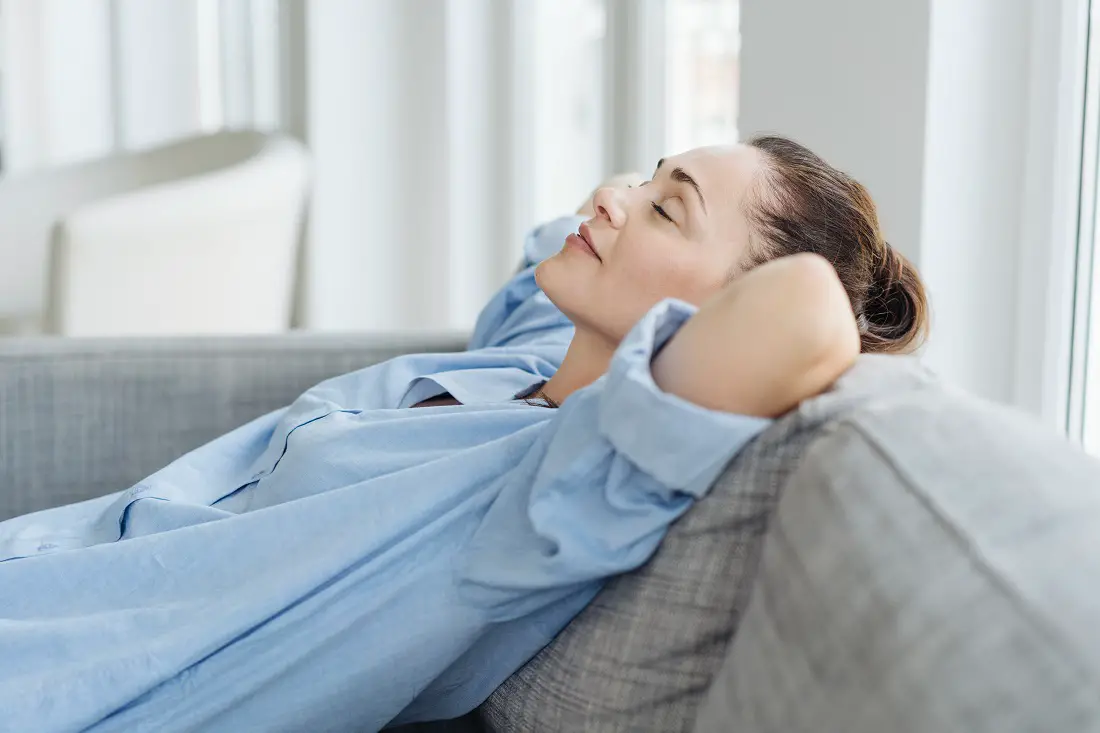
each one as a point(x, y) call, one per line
point(933, 565)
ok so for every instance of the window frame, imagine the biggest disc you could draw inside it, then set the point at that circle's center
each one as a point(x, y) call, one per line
point(1084, 249)
point(1050, 329)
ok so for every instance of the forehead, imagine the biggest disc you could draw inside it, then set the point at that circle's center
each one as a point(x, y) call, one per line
point(726, 171)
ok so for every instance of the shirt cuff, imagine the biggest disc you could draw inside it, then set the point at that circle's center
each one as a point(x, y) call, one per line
point(682, 445)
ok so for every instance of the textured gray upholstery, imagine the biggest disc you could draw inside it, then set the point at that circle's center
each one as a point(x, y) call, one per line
point(83, 418)
point(80, 418)
point(642, 655)
point(933, 567)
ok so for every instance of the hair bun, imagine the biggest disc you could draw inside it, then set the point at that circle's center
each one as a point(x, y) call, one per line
point(892, 317)
point(800, 203)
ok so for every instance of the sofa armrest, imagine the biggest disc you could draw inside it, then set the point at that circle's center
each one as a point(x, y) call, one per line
point(80, 418)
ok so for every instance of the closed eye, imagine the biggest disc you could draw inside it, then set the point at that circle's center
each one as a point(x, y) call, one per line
point(661, 212)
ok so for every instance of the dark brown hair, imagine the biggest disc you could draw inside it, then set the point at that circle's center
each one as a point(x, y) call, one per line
point(803, 204)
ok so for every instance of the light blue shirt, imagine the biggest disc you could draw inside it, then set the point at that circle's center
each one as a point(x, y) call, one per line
point(344, 563)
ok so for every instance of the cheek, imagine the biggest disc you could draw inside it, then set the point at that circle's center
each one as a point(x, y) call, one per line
point(664, 269)
point(640, 271)
point(569, 281)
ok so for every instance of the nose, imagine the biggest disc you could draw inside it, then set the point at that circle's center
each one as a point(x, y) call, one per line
point(609, 204)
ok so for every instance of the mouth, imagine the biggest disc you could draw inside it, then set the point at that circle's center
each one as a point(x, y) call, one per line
point(584, 234)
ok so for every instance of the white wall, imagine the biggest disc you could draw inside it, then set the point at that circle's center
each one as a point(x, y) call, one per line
point(975, 154)
point(927, 103)
point(846, 78)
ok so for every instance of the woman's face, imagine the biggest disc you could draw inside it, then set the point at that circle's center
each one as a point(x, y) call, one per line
point(678, 235)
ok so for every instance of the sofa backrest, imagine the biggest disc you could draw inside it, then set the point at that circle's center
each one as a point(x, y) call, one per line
point(642, 655)
point(933, 566)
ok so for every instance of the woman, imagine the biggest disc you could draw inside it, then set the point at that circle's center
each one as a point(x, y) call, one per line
point(345, 562)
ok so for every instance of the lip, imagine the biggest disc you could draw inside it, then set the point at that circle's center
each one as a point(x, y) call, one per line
point(585, 235)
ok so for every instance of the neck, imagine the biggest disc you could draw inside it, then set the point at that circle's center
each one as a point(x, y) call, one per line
point(587, 358)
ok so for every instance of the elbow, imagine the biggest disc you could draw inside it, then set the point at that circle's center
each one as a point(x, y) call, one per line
point(776, 336)
point(826, 325)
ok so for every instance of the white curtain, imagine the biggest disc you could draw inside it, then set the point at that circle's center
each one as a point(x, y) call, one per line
point(442, 130)
point(85, 78)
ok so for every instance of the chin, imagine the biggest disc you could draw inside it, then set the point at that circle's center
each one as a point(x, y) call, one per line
point(582, 302)
point(554, 274)
point(566, 287)
point(553, 278)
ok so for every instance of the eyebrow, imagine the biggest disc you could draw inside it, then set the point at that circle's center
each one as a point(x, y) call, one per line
point(681, 175)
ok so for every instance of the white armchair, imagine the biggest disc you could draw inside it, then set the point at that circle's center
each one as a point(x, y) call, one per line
point(196, 237)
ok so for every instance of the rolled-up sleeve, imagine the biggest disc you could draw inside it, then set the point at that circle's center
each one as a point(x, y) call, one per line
point(681, 445)
point(618, 463)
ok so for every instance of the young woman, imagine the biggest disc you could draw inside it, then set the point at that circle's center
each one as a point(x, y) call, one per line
point(347, 562)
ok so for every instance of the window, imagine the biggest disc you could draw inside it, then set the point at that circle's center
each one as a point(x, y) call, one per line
point(702, 43)
point(662, 80)
point(569, 103)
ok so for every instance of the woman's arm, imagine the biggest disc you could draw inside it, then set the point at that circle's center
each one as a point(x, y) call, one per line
point(776, 335)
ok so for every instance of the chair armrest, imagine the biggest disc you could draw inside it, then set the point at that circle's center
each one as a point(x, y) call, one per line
point(80, 418)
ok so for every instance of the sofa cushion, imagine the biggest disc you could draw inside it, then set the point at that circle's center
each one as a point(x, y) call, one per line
point(643, 654)
point(934, 565)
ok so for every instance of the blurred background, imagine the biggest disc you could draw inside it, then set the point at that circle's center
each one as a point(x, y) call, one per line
point(434, 134)
point(257, 166)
